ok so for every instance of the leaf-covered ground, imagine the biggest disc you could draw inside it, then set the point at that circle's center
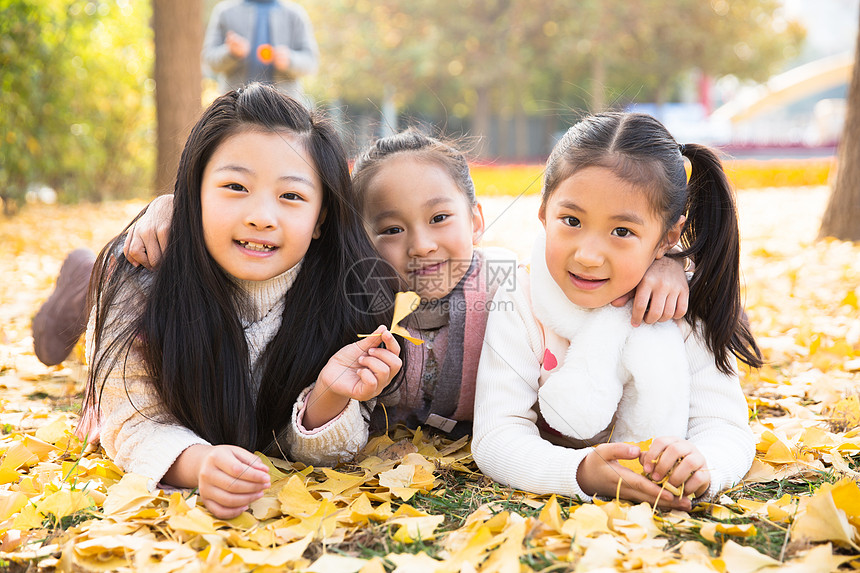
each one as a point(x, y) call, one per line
point(414, 502)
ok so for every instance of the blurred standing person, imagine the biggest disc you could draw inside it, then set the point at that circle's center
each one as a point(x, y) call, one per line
point(269, 41)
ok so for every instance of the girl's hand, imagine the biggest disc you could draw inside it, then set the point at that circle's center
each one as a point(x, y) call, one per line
point(681, 461)
point(359, 371)
point(661, 295)
point(147, 238)
point(600, 472)
point(228, 478)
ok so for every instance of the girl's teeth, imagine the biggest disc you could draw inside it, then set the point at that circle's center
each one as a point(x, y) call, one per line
point(256, 246)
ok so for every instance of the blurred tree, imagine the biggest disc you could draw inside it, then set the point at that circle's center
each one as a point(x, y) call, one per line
point(842, 216)
point(490, 58)
point(178, 77)
point(746, 38)
point(74, 98)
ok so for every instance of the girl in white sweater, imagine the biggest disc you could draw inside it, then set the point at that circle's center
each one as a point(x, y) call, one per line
point(258, 299)
point(564, 382)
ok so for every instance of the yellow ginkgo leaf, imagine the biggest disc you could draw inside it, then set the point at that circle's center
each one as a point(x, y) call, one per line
point(128, 496)
point(296, 500)
point(195, 521)
point(586, 520)
point(551, 514)
point(404, 304)
point(710, 530)
point(819, 519)
point(11, 502)
point(779, 453)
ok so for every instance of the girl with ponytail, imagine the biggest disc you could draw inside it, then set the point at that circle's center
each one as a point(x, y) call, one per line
point(565, 386)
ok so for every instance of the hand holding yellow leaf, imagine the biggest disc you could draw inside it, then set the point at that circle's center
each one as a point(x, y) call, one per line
point(404, 304)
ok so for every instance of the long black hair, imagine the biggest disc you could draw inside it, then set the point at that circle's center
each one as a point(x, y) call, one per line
point(187, 326)
point(639, 149)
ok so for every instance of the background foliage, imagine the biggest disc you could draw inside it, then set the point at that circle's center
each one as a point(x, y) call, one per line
point(76, 88)
point(75, 98)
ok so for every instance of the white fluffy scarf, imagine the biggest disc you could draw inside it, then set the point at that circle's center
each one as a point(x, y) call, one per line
point(610, 367)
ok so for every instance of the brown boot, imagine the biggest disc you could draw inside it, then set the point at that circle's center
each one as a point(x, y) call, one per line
point(63, 317)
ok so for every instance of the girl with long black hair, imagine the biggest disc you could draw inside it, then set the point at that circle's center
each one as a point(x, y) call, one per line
point(244, 338)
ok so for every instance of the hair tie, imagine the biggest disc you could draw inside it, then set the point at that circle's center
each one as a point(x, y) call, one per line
point(682, 148)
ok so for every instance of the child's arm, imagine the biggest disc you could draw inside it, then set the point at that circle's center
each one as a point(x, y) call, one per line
point(138, 436)
point(719, 418)
point(336, 428)
point(359, 371)
point(229, 478)
point(662, 294)
point(147, 238)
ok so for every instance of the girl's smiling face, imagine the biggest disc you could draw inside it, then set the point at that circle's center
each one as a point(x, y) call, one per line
point(422, 224)
point(601, 236)
point(261, 201)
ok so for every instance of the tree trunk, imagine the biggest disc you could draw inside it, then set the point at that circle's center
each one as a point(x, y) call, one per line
point(178, 30)
point(842, 217)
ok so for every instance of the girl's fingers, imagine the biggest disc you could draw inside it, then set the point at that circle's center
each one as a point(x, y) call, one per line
point(656, 453)
point(237, 464)
point(671, 456)
point(223, 512)
point(668, 309)
point(391, 343)
point(380, 370)
point(388, 357)
point(133, 248)
point(685, 469)
point(640, 304)
point(612, 451)
point(249, 459)
point(152, 248)
point(639, 488)
point(655, 309)
point(698, 482)
point(229, 498)
point(248, 481)
point(373, 339)
point(681, 305)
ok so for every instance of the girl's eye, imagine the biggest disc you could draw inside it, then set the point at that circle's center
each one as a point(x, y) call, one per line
point(291, 197)
point(622, 232)
point(235, 187)
point(439, 218)
point(570, 221)
point(391, 231)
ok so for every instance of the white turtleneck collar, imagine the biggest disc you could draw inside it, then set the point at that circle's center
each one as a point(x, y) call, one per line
point(263, 296)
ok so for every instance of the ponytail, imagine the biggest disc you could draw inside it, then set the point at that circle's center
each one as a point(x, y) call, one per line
point(711, 240)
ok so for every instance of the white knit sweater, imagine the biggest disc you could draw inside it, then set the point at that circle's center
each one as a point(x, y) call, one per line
point(509, 447)
point(141, 438)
